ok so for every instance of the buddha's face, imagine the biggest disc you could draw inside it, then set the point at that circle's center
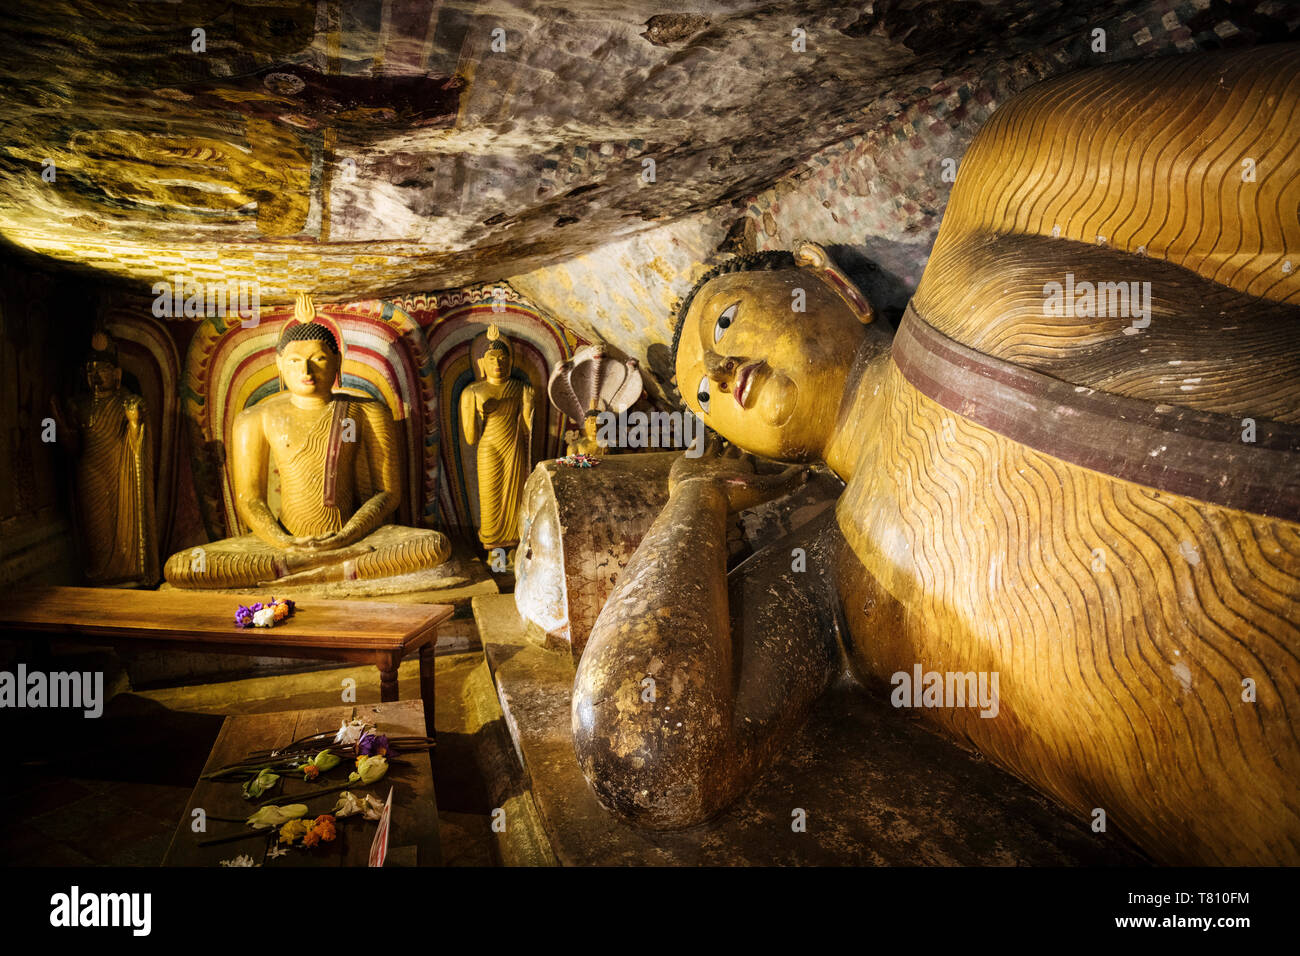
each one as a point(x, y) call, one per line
point(591, 426)
point(103, 377)
point(495, 364)
point(765, 377)
point(309, 368)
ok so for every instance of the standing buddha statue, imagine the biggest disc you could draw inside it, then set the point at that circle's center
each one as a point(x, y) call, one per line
point(496, 413)
point(114, 474)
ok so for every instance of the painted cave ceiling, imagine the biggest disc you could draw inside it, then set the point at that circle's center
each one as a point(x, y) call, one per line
point(372, 148)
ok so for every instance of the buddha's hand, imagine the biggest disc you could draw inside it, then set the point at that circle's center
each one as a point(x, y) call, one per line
point(314, 543)
point(733, 473)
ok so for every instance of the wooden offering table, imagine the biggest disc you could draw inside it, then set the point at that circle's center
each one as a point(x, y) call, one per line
point(353, 631)
point(414, 823)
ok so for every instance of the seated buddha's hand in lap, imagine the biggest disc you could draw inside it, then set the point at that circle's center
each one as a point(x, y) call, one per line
point(315, 544)
point(733, 472)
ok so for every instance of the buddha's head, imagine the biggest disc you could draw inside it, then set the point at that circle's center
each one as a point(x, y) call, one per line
point(497, 362)
point(103, 374)
point(591, 424)
point(309, 359)
point(755, 368)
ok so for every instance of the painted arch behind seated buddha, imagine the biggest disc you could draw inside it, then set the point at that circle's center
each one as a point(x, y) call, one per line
point(230, 368)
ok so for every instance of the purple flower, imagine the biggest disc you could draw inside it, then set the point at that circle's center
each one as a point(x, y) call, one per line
point(373, 745)
point(244, 617)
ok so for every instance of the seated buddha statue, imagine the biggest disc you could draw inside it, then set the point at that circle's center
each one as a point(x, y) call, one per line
point(586, 442)
point(1100, 509)
point(340, 478)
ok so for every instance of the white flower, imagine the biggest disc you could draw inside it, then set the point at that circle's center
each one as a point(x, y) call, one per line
point(374, 807)
point(276, 852)
point(371, 807)
point(348, 805)
point(242, 860)
point(264, 618)
point(350, 732)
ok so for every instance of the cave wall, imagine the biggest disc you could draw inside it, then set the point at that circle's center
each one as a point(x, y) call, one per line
point(45, 326)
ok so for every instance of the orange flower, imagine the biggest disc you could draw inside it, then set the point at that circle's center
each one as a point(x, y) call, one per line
point(310, 772)
point(321, 832)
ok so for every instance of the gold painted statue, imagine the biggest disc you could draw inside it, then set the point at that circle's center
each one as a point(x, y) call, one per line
point(585, 442)
point(1070, 534)
point(114, 475)
point(496, 414)
point(340, 477)
point(587, 384)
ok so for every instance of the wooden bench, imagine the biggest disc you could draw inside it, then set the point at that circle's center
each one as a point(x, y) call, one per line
point(351, 631)
point(413, 837)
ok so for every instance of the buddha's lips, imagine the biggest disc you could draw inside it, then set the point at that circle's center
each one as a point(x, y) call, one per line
point(743, 380)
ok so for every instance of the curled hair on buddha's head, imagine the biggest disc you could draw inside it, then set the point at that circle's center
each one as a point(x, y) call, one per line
point(753, 262)
point(496, 342)
point(307, 332)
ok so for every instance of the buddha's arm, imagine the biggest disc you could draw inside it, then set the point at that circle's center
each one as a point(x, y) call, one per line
point(471, 420)
point(665, 728)
point(249, 466)
point(381, 456)
point(527, 408)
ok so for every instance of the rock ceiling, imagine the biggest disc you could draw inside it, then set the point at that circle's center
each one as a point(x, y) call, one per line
point(376, 147)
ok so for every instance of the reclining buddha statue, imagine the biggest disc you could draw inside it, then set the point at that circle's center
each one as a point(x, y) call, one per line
point(1092, 496)
point(340, 478)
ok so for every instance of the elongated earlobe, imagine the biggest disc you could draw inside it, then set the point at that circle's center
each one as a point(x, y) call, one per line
point(810, 255)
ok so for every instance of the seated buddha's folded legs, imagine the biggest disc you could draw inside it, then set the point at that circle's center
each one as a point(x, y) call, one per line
point(240, 562)
point(248, 561)
point(410, 549)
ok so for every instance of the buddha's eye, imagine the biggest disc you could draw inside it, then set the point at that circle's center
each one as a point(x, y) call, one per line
point(702, 394)
point(724, 321)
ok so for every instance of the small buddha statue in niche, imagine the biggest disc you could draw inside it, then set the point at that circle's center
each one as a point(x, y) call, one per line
point(114, 487)
point(338, 460)
point(585, 442)
point(591, 382)
point(496, 414)
point(1016, 502)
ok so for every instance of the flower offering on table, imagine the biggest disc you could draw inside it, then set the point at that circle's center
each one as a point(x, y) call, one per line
point(323, 762)
point(264, 615)
point(369, 769)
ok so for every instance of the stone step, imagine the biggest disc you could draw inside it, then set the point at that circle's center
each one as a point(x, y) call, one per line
point(875, 786)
